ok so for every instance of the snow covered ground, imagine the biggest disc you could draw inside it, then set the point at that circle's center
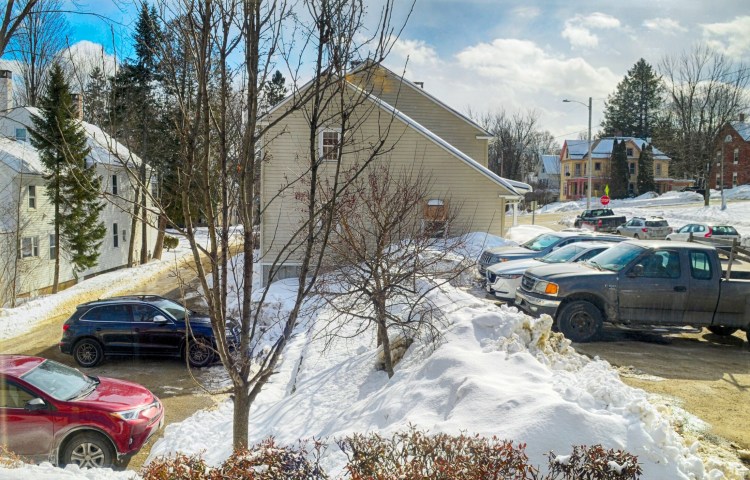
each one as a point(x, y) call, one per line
point(496, 372)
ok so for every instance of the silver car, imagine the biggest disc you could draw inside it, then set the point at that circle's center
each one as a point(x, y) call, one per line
point(654, 228)
point(504, 278)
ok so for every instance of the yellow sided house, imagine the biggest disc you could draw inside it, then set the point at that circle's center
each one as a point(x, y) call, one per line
point(412, 130)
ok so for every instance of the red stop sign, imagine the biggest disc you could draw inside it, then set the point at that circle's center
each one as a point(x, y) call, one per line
point(604, 200)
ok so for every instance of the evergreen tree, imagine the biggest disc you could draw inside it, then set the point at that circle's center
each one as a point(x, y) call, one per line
point(618, 185)
point(633, 109)
point(96, 99)
point(645, 182)
point(72, 186)
point(274, 91)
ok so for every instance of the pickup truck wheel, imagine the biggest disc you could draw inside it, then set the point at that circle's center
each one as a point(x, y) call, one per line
point(580, 321)
point(721, 330)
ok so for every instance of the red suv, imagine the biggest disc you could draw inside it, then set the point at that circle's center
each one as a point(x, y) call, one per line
point(51, 412)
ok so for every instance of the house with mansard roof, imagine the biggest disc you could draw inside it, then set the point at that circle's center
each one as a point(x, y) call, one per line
point(27, 241)
point(574, 164)
point(420, 132)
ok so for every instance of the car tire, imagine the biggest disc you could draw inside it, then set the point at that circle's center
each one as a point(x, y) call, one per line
point(635, 235)
point(88, 353)
point(199, 353)
point(88, 450)
point(580, 321)
point(722, 330)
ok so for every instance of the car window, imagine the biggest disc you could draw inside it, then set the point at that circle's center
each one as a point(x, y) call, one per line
point(590, 254)
point(661, 264)
point(699, 228)
point(563, 254)
point(540, 242)
point(59, 381)
point(177, 311)
point(700, 266)
point(685, 229)
point(13, 396)
point(657, 223)
point(617, 257)
point(724, 230)
point(638, 223)
point(109, 313)
point(144, 313)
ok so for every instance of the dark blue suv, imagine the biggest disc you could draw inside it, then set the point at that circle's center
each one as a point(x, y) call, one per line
point(139, 325)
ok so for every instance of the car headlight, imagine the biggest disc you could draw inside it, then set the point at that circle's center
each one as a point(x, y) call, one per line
point(134, 413)
point(511, 276)
point(547, 288)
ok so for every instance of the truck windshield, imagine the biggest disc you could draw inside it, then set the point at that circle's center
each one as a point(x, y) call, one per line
point(617, 257)
point(540, 242)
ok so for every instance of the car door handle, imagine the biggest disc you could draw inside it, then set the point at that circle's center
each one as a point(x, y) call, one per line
point(680, 288)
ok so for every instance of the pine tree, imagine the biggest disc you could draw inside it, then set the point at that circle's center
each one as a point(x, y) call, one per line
point(618, 185)
point(633, 109)
point(274, 91)
point(96, 99)
point(72, 186)
point(645, 182)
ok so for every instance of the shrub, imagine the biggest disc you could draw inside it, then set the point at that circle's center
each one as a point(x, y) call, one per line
point(170, 242)
point(594, 463)
point(178, 467)
point(267, 461)
point(9, 459)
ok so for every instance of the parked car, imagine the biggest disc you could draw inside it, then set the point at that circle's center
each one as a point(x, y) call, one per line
point(539, 246)
point(639, 284)
point(139, 325)
point(725, 232)
point(652, 228)
point(504, 278)
point(599, 220)
point(51, 412)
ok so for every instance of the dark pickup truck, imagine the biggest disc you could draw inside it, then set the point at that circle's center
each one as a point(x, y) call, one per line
point(639, 284)
point(600, 219)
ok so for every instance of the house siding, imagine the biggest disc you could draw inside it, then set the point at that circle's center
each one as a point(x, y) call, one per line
point(481, 209)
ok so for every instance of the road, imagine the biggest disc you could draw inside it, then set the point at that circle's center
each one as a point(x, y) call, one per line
point(169, 379)
point(707, 375)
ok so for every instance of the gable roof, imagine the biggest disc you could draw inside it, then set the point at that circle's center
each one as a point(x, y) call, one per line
point(513, 186)
point(602, 147)
point(551, 164)
point(742, 129)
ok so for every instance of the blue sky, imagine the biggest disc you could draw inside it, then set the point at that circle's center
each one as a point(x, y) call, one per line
point(485, 55)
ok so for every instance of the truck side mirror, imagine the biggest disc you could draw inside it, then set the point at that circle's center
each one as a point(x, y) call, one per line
point(636, 271)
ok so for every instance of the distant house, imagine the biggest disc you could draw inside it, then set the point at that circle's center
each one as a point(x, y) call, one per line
point(423, 133)
point(574, 167)
point(27, 241)
point(736, 155)
point(545, 178)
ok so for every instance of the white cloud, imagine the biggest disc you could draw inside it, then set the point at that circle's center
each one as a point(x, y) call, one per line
point(732, 38)
point(527, 12)
point(417, 51)
point(578, 30)
point(664, 25)
point(79, 61)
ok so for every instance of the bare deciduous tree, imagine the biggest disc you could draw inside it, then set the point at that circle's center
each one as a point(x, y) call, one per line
point(221, 137)
point(389, 250)
point(516, 143)
point(15, 13)
point(40, 38)
point(705, 91)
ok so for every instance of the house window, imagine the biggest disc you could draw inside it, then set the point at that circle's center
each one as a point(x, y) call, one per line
point(32, 196)
point(578, 170)
point(29, 247)
point(124, 235)
point(631, 168)
point(736, 158)
point(629, 152)
point(52, 246)
point(567, 170)
point(658, 169)
point(718, 180)
point(20, 134)
point(329, 143)
point(434, 223)
point(718, 158)
point(734, 179)
point(115, 236)
point(114, 184)
point(598, 166)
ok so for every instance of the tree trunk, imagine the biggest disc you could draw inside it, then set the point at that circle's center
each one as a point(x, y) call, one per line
point(133, 227)
point(144, 218)
point(56, 276)
point(159, 246)
point(241, 421)
point(382, 320)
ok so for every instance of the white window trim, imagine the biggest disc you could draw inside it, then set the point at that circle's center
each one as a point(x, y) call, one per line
point(52, 244)
point(320, 142)
point(31, 197)
point(34, 247)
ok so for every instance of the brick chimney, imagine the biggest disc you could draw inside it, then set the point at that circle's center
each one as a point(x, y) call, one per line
point(77, 99)
point(6, 90)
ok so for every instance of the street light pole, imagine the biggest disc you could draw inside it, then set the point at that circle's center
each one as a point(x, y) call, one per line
point(590, 162)
point(727, 140)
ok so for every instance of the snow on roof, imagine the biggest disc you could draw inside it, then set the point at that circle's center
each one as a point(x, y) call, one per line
point(22, 157)
point(602, 148)
point(551, 164)
point(515, 187)
point(743, 129)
